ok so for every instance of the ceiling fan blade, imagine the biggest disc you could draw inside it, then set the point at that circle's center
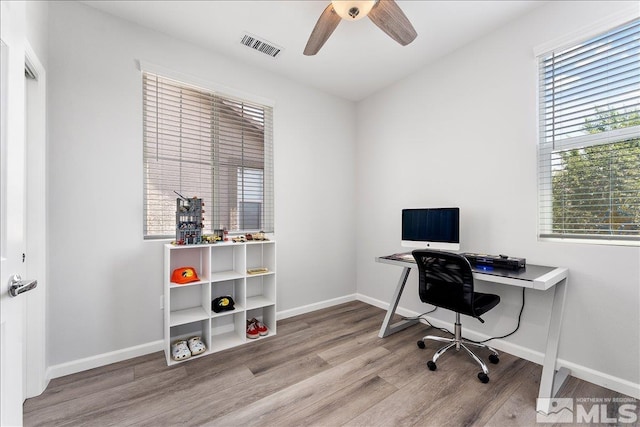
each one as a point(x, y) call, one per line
point(327, 22)
point(388, 16)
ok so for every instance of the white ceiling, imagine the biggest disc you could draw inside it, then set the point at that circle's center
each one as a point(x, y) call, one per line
point(357, 60)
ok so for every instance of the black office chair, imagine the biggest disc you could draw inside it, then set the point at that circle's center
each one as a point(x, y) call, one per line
point(446, 280)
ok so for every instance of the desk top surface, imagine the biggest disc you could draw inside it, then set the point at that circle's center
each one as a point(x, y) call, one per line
point(531, 273)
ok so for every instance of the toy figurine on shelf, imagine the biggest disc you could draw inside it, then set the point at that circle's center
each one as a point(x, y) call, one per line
point(259, 236)
point(210, 238)
point(189, 220)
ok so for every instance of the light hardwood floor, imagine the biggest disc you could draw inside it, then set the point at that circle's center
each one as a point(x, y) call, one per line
point(325, 368)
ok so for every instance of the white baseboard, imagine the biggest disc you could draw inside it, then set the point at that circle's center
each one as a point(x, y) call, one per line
point(98, 360)
point(587, 374)
point(313, 307)
point(385, 305)
point(603, 380)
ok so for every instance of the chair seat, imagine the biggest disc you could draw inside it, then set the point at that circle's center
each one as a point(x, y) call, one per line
point(481, 304)
point(484, 302)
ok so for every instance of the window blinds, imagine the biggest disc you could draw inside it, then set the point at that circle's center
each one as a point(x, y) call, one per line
point(200, 144)
point(589, 149)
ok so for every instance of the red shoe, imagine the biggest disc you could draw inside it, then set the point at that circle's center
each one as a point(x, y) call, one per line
point(252, 330)
point(262, 329)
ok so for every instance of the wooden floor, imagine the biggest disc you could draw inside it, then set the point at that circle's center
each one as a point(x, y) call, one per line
point(325, 368)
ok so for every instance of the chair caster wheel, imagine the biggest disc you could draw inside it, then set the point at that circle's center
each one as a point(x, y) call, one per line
point(484, 378)
point(420, 344)
point(494, 359)
point(431, 365)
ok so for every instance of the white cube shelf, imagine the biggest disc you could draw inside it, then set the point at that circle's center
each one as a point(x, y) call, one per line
point(223, 269)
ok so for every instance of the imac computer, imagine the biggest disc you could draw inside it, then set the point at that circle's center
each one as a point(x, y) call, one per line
point(431, 228)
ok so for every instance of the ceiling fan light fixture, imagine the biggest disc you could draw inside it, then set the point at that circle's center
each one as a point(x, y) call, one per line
point(352, 10)
point(385, 14)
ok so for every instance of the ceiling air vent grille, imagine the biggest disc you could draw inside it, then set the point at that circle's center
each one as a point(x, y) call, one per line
point(259, 45)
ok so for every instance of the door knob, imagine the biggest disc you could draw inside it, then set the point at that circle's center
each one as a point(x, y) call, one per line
point(18, 286)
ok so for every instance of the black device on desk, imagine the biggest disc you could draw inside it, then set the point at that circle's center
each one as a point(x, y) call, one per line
point(433, 228)
point(498, 261)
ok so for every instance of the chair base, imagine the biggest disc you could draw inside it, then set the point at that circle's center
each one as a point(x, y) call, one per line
point(458, 342)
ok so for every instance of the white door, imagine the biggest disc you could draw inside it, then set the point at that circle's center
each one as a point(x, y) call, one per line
point(35, 380)
point(12, 207)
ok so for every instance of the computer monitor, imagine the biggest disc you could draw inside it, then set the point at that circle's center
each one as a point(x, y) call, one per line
point(432, 228)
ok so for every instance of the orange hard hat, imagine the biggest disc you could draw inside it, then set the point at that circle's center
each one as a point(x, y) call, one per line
point(184, 275)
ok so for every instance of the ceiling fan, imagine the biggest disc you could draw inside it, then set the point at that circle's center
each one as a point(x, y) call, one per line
point(386, 14)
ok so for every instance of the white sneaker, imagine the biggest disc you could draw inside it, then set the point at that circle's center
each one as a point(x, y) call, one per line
point(196, 346)
point(180, 350)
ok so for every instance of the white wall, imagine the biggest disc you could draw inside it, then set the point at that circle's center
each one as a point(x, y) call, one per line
point(105, 280)
point(37, 20)
point(463, 132)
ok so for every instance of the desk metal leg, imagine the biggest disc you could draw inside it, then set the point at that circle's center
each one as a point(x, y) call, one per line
point(387, 329)
point(551, 381)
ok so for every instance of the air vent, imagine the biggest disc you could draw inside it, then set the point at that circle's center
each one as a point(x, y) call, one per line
point(259, 45)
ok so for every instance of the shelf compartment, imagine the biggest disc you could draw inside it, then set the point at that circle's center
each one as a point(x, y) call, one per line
point(185, 256)
point(186, 303)
point(261, 255)
point(261, 287)
point(227, 261)
point(266, 315)
point(184, 332)
point(225, 341)
point(228, 331)
point(234, 288)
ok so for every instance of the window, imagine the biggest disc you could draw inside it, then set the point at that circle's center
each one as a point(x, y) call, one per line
point(589, 148)
point(200, 144)
point(250, 198)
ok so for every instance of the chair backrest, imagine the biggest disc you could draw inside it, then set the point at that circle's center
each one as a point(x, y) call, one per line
point(445, 280)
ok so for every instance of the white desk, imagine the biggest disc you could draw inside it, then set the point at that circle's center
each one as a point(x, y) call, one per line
point(537, 277)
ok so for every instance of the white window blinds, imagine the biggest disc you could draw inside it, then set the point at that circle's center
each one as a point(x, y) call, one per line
point(589, 148)
point(201, 144)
